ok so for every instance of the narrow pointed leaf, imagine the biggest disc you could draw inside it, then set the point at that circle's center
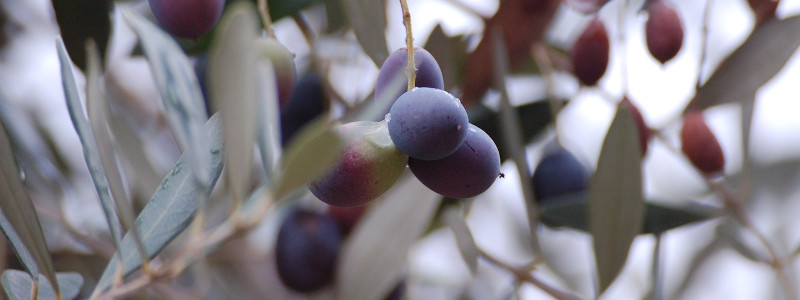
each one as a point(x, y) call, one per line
point(232, 86)
point(21, 223)
point(368, 18)
point(616, 209)
point(180, 90)
point(371, 260)
point(90, 154)
point(18, 285)
point(171, 209)
point(97, 106)
point(269, 125)
point(454, 219)
point(309, 154)
point(569, 210)
point(511, 133)
point(751, 65)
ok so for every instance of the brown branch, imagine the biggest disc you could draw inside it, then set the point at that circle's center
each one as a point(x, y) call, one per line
point(524, 275)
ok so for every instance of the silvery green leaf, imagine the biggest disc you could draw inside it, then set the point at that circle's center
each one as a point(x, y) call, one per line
point(171, 209)
point(180, 90)
point(97, 106)
point(18, 285)
point(90, 154)
point(20, 223)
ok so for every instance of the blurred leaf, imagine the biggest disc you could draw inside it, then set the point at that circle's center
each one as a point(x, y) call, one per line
point(334, 14)
point(371, 260)
point(533, 119)
point(232, 86)
point(81, 20)
point(133, 149)
point(269, 123)
point(368, 18)
point(376, 110)
point(171, 208)
point(570, 210)
point(88, 143)
point(751, 65)
point(308, 155)
point(180, 90)
point(18, 285)
point(20, 223)
point(97, 106)
point(616, 208)
point(282, 8)
point(450, 53)
point(454, 218)
point(521, 23)
point(511, 132)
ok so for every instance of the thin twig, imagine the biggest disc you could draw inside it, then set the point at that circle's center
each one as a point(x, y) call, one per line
point(305, 28)
point(411, 70)
point(734, 205)
point(196, 249)
point(524, 275)
point(263, 10)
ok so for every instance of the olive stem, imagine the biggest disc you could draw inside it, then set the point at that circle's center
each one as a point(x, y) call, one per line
point(411, 70)
point(263, 10)
point(524, 275)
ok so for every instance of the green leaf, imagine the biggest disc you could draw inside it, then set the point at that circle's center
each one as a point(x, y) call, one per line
point(569, 210)
point(616, 207)
point(308, 155)
point(18, 285)
point(751, 65)
point(21, 223)
point(90, 153)
point(371, 260)
point(233, 90)
point(80, 21)
point(180, 90)
point(171, 208)
point(368, 18)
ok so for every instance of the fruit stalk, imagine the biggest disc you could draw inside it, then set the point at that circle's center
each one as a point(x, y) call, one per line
point(411, 70)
